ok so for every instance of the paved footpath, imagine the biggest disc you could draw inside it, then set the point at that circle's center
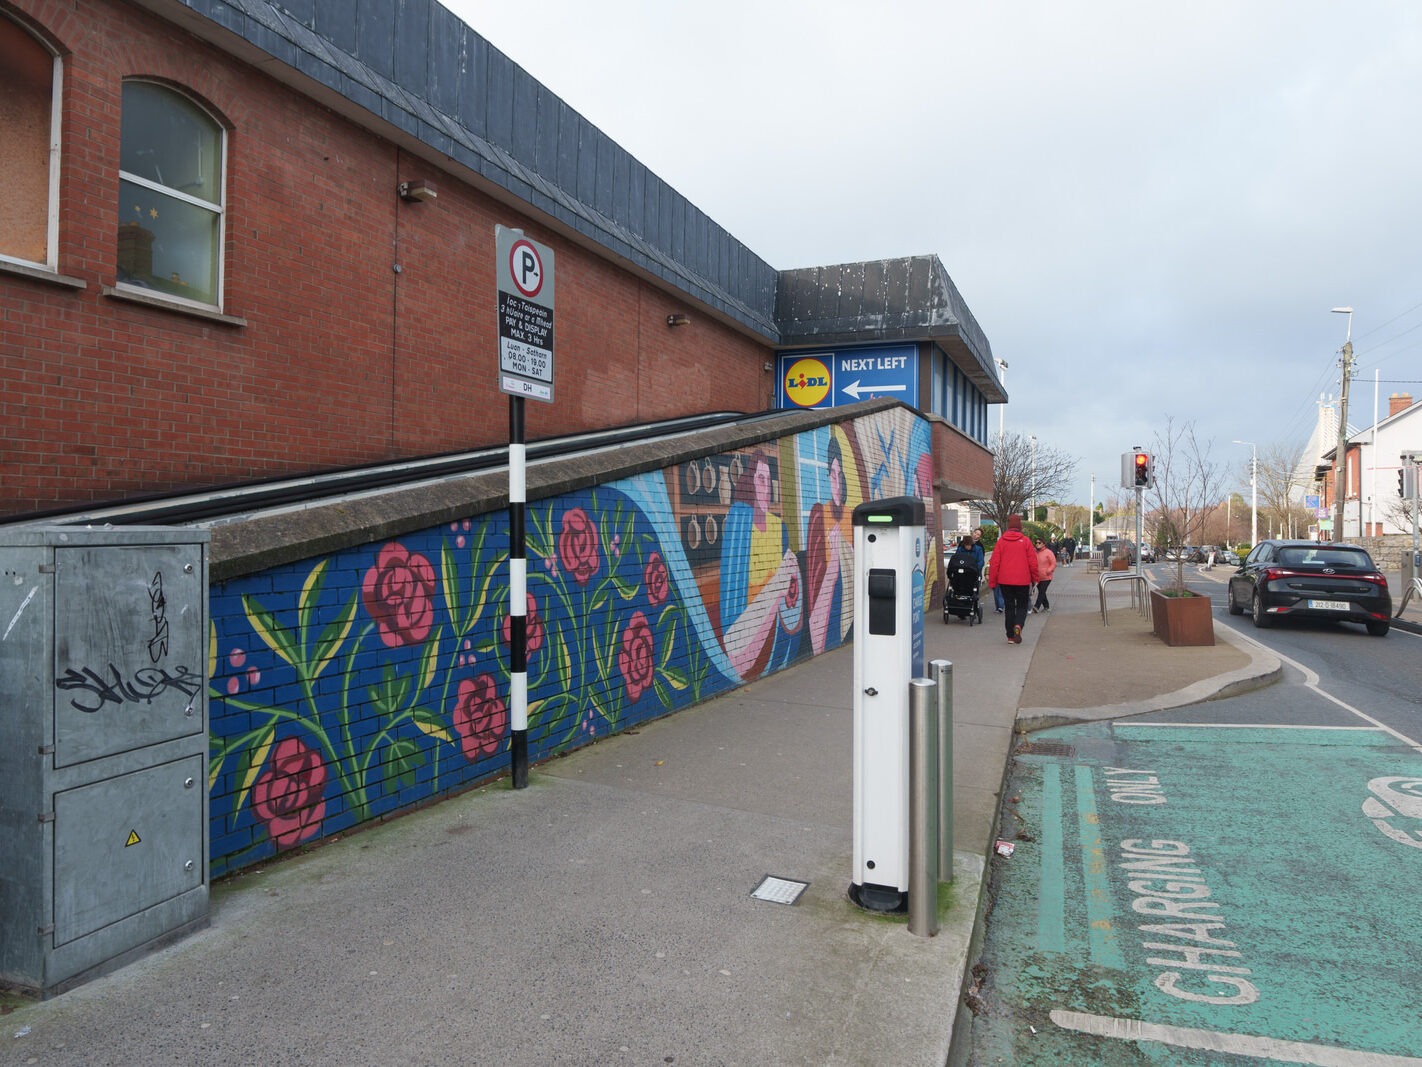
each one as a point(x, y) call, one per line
point(605, 914)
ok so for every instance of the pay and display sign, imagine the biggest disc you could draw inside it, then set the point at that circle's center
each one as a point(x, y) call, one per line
point(524, 270)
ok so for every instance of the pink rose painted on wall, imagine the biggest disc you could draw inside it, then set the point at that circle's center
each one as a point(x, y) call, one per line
point(578, 552)
point(654, 577)
point(399, 595)
point(532, 627)
point(480, 718)
point(288, 797)
point(636, 659)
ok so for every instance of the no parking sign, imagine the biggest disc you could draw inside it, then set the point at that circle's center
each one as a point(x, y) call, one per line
point(524, 270)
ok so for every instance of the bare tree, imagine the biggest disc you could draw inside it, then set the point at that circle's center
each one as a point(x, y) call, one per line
point(1399, 511)
point(1022, 473)
point(1075, 519)
point(1186, 491)
point(1278, 484)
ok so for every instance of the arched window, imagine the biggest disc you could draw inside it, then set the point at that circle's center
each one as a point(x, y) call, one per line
point(29, 131)
point(170, 196)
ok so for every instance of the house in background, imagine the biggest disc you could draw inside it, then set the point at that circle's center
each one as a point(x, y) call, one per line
point(1372, 505)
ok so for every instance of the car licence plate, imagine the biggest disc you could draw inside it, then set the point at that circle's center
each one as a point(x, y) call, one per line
point(1329, 605)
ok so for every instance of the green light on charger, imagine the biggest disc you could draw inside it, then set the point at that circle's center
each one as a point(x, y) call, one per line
point(879, 518)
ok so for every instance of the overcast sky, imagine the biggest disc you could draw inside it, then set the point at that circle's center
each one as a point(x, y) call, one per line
point(1149, 208)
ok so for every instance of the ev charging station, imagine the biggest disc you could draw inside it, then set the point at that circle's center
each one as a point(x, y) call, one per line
point(890, 552)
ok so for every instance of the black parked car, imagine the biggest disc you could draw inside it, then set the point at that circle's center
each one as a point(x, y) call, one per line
point(1289, 579)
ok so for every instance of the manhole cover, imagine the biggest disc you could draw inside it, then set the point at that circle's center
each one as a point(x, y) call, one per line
point(1045, 748)
point(779, 890)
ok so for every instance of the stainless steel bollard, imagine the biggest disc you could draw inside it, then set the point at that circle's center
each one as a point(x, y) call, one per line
point(923, 808)
point(942, 673)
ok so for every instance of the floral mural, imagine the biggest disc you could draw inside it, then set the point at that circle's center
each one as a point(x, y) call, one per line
point(354, 685)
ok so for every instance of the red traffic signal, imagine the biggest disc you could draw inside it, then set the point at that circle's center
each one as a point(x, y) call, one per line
point(1144, 470)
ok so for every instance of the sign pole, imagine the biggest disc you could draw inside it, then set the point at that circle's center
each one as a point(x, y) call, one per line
point(524, 271)
point(518, 597)
point(1416, 464)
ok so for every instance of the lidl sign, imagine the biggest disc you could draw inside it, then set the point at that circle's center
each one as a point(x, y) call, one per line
point(830, 379)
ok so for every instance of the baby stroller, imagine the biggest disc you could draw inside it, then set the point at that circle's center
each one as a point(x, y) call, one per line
point(960, 601)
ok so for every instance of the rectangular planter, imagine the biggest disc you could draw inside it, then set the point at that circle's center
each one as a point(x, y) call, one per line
point(1182, 620)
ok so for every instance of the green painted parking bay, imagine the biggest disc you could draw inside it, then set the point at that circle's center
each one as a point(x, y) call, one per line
point(1246, 890)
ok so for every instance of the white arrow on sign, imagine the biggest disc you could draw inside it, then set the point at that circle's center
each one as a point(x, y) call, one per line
point(854, 389)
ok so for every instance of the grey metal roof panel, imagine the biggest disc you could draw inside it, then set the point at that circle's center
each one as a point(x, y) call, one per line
point(445, 53)
point(524, 145)
point(604, 154)
point(333, 21)
point(910, 299)
point(412, 47)
point(498, 105)
point(303, 11)
point(473, 67)
point(375, 35)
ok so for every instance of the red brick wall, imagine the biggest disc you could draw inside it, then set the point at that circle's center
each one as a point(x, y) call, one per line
point(963, 468)
point(342, 360)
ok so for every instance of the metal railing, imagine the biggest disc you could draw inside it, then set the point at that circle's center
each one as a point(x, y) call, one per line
point(1140, 591)
point(1415, 589)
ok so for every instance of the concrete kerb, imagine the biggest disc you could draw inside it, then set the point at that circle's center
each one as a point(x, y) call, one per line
point(1264, 669)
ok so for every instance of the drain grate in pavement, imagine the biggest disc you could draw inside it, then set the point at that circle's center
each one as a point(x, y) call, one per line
point(1045, 748)
point(779, 890)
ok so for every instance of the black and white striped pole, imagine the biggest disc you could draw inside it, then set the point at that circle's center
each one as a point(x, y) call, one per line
point(518, 597)
point(525, 292)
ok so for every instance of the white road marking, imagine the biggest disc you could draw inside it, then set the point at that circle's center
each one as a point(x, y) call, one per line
point(1235, 1044)
point(1311, 680)
point(1245, 726)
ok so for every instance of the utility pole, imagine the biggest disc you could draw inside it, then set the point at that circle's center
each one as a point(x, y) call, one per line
point(1340, 460)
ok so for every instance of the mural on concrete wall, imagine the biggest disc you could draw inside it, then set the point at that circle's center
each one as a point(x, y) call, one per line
point(357, 684)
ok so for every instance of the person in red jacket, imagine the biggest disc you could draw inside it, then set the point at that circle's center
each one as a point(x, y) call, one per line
point(1013, 569)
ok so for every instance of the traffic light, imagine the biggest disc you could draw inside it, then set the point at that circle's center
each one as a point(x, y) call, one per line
point(1143, 470)
point(1407, 481)
point(1137, 470)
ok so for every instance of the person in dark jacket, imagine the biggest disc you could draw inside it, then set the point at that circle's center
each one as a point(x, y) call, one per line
point(1013, 569)
point(982, 560)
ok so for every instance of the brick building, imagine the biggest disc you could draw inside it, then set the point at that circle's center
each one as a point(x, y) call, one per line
point(209, 273)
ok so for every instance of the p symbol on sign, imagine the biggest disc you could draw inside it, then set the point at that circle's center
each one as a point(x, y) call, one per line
point(526, 268)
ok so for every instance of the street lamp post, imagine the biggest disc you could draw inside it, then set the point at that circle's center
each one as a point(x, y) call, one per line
point(1033, 516)
point(1091, 518)
point(1001, 408)
point(1340, 459)
point(1253, 492)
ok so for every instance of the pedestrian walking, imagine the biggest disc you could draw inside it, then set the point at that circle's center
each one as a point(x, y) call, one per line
point(1070, 545)
point(982, 559)
point(1013, 569)
point(1046, 568)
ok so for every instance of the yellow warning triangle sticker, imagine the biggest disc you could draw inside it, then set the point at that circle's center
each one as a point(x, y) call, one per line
point(133, 838)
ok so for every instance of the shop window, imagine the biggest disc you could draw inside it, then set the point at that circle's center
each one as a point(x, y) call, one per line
point(29, 134)
point(170, 196)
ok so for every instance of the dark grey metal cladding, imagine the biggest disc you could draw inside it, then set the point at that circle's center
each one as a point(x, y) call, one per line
point(910, 299)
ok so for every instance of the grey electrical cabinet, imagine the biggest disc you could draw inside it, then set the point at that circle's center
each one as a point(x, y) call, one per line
point(103, 747)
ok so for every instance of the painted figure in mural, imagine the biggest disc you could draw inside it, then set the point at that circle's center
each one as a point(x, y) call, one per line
point(761, 596)
point(829, 559)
